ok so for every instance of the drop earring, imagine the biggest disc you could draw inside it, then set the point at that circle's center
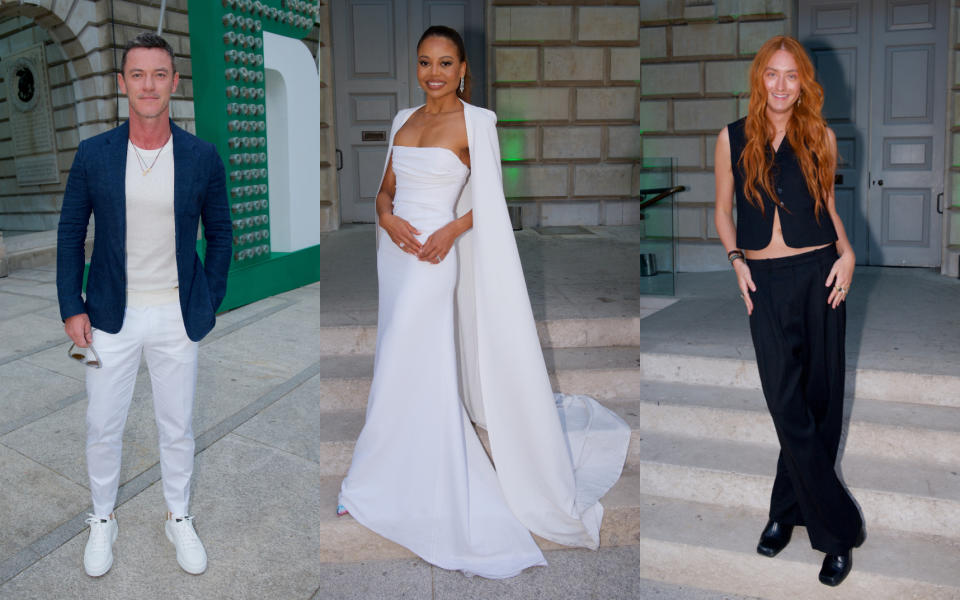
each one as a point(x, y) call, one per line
point(461, 85)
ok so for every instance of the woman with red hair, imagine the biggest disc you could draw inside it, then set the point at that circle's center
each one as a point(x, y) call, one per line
point(794, 265)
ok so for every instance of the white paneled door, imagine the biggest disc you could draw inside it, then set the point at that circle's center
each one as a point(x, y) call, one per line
point(374, 76)
point(883, 65)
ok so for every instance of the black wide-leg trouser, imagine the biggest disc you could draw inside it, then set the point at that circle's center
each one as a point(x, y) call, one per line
point(799, 341)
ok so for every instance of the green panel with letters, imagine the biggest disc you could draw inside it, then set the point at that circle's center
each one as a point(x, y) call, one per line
point(229, 97)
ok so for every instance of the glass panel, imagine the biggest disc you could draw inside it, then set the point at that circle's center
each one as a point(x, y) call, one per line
point(656, 177)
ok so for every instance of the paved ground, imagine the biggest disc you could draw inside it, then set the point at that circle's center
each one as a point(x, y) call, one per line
point(262, 374)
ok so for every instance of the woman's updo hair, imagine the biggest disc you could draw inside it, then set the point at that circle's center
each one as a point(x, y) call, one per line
point(452, 35)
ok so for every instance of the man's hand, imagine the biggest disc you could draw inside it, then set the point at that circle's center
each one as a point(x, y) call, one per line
point(78, 328)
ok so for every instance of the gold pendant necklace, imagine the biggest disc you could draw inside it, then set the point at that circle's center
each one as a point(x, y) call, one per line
point(144, 169)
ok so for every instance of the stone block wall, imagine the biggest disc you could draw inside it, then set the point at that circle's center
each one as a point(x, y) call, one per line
point(586, 92)
point(82, 50)
point(83, 41)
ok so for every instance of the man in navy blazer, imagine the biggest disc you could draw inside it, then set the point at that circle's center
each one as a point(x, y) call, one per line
point(148, 184)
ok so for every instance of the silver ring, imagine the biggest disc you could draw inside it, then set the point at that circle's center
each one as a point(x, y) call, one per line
point(401, 244)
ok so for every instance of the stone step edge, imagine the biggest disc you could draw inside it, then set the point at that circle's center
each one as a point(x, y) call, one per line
point(739, 571)
point(900, 511)
point(727, 484)
point(573, 332)
point(609, 371)
point(616, 377)
point(618, 332)
point(753, 575)
point(730, 571)
point(872, 384)
point(863, 437)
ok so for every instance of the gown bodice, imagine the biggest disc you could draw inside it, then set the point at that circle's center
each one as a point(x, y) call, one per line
point(429, 181)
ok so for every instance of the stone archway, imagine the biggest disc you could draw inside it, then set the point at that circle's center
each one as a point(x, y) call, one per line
point(76, 51)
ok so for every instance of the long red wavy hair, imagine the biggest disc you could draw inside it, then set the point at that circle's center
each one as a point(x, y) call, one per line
point(806, 131)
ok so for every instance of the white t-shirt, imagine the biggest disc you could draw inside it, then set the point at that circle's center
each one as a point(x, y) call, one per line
point(151, 233)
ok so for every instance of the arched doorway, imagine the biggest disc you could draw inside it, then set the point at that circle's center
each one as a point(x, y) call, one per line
point(50, 98)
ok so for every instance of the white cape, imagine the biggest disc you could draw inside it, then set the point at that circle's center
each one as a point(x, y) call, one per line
point(555, 456)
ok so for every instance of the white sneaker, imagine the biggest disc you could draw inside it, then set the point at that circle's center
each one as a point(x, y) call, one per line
point(98, 554)
point(191, 556)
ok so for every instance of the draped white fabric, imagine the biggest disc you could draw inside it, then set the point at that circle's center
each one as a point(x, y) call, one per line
point(552, 490)
point(555, 456)
point(419, 475)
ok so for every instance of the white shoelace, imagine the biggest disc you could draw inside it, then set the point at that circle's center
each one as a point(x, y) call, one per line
point(99, 531)
point(184, 532)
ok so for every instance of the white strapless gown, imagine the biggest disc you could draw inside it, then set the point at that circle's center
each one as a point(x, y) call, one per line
point(420, 476)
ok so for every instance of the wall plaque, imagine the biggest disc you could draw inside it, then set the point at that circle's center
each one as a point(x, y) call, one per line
point(31, 117)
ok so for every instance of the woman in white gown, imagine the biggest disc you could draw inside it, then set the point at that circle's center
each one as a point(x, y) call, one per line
point(456, 342)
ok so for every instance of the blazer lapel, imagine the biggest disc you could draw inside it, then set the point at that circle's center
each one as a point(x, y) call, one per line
point(116, 176)
point(183, 167)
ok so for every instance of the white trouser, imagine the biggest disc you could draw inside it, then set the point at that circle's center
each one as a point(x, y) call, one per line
point(159, 333)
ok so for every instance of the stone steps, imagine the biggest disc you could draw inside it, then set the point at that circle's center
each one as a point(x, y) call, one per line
point(703, 451)
point(910, 496)
point(612, 372)
point(611, 355)
point(894, 430)
point(554, 333)
point(38, 249)
point(902, 495)
point(711, 546)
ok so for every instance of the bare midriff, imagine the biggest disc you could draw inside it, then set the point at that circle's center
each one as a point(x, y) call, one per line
point(778, 248)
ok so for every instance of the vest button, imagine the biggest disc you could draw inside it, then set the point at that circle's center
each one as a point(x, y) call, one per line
point(779, 190)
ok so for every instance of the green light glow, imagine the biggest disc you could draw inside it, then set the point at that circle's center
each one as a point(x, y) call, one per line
point(511, 181)
point(513, 145)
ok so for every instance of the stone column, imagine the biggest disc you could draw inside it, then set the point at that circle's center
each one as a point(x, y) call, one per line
point(950, 261)
point(3, 257)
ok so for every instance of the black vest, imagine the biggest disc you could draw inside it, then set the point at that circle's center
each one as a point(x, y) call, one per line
point(798, 221)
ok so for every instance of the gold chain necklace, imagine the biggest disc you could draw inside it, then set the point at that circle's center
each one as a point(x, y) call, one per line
point(144, 169)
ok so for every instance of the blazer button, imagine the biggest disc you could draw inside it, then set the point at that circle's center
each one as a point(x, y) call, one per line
point(779, 190)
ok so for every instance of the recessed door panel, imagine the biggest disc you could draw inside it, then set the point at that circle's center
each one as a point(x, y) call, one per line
point(831, 18)
point(451, 14)
point(907, 154)
point(906, 219)
point(909, 84)
point(373, 33)
point(846, 202)
point(911, 14)
point(838, 65)
point(373, 108)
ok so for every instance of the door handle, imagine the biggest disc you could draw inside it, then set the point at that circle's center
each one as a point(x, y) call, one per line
point(939, 208)
point(878, 182)
point(339, 160)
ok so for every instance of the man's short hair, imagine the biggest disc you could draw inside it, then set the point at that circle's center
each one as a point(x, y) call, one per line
point(147, 39)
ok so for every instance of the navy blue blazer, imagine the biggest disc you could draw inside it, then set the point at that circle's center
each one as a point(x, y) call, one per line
point(97, 185)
